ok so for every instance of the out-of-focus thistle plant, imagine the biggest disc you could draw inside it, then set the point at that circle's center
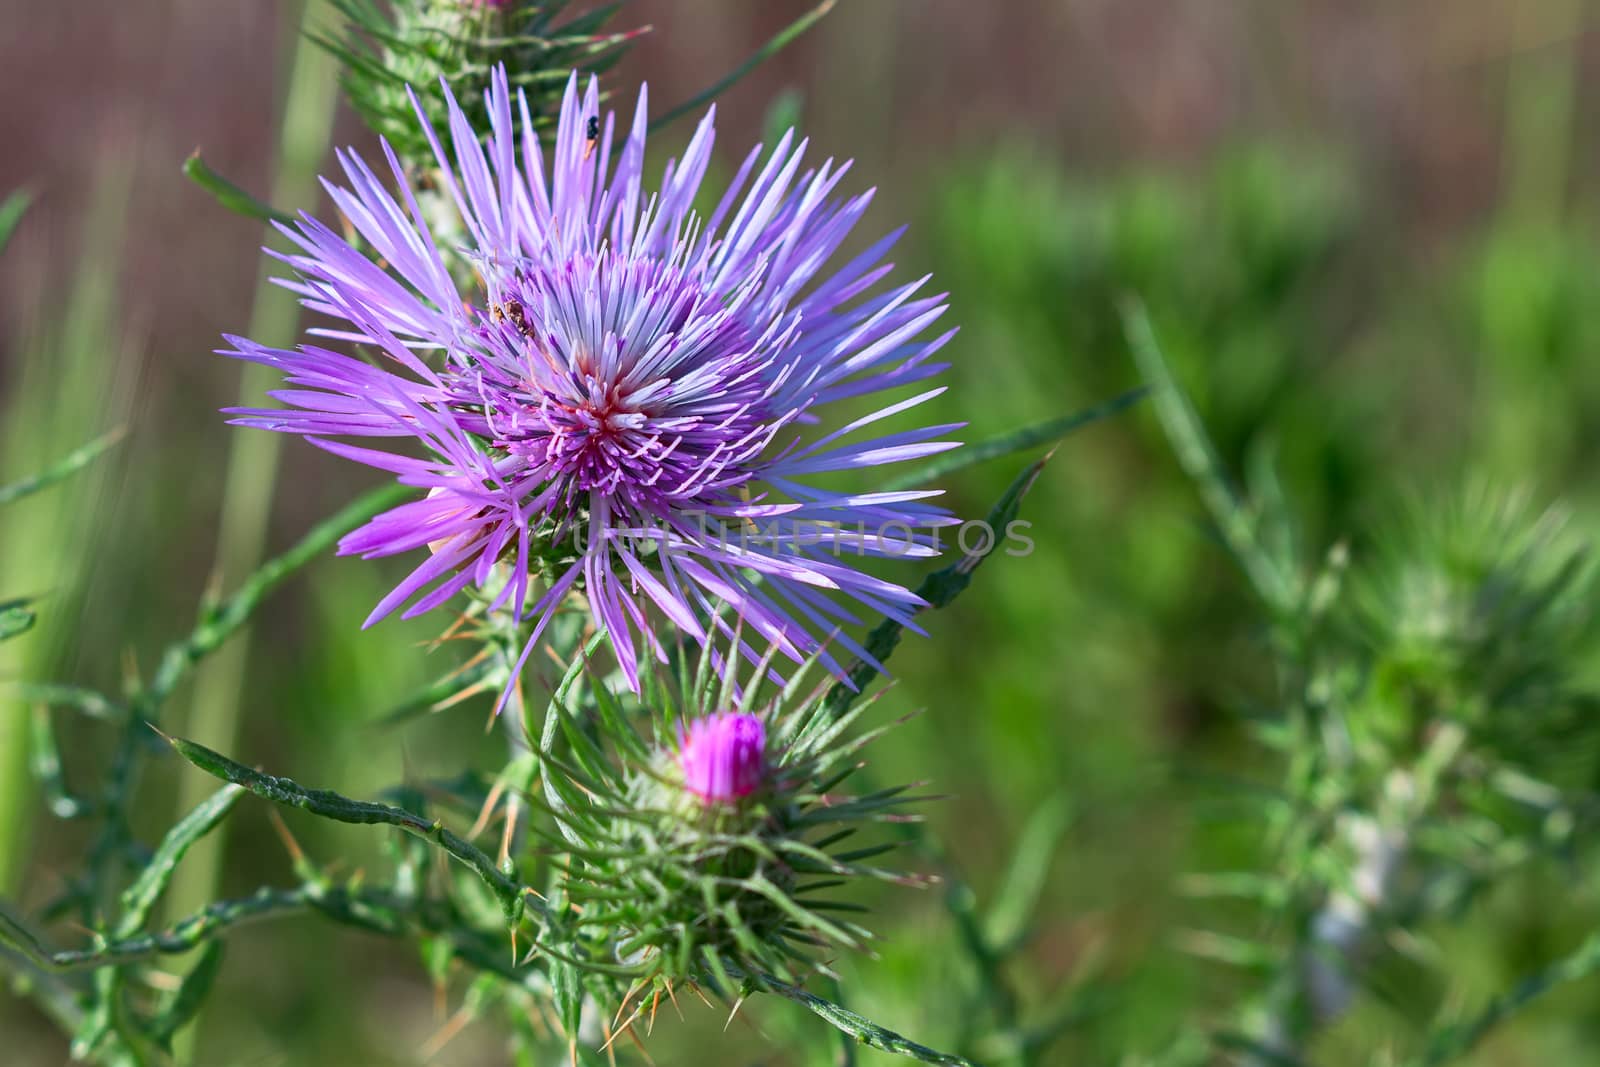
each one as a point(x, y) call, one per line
point(1435, 735)
point(1461, 704)
point(704, 844)
point(395, 46)
point(1473, 613)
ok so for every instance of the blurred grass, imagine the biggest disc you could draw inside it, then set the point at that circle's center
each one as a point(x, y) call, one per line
point(78, 360)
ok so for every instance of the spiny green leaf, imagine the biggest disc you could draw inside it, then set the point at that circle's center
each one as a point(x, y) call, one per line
point(141, 896)
point(1042, 433)
point(15, 619)
point(566, 992)
point(938, 589)
point(228, 194)
point(11, 212)
point(778, 43)
point(861, 1029)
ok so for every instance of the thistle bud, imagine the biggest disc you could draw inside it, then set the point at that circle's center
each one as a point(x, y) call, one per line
point(1476, 609)
point(417, 43)
point(723, 757)
point(702, 847)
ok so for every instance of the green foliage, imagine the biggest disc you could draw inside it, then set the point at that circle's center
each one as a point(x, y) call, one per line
point(106, 1025)
point(16, 618)
point(723, 902)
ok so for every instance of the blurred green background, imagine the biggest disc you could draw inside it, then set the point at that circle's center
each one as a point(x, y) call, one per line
point(1366, 231)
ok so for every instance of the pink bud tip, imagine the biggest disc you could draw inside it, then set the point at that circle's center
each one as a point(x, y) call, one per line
point(723, 756)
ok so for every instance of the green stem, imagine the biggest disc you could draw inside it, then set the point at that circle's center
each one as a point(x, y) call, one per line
point(372, 910)
point(1322, 981)
point(71, 464)
point(938, 589)
point(1454, 1041)
point(1540, 98)
point(1195, 453)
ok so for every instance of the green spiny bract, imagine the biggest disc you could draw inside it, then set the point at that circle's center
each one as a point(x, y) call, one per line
point(668, 883)
point(418, 42)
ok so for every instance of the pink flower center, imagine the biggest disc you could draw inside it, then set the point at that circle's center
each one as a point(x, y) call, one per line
point(656, 403)
point(723, 756)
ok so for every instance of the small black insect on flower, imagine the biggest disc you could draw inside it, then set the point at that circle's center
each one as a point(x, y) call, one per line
point(591, 132)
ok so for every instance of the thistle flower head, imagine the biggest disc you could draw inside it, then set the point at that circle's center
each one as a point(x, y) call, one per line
point(723, 756)
point(623, 404)
point(706, 826)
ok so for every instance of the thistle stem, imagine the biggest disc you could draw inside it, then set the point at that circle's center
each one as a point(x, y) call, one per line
point(1324, 978)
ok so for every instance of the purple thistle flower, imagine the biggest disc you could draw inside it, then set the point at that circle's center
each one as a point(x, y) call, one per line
point(723, 756)
point(622, 405)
